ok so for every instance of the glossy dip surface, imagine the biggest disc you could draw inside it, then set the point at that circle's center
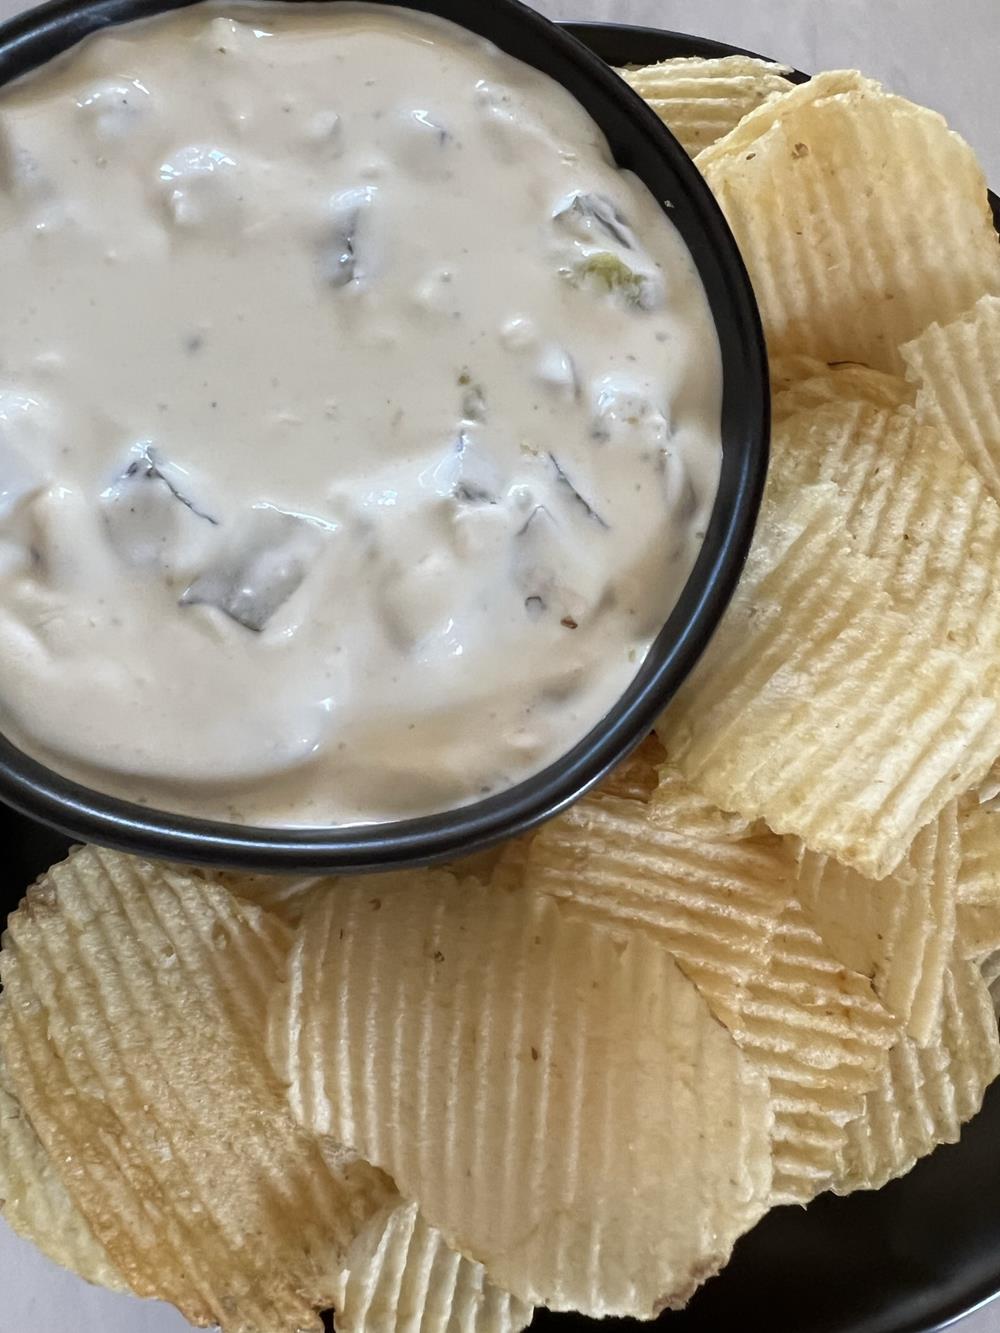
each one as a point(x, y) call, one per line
point(359, 419)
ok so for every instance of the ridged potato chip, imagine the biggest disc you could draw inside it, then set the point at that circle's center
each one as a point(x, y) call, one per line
point(900, 931)
point(980, 877)
point(801, 383)
point(979, 884)
point(818, 186)
point(708, 884)
point(638, 776)
point(282, 896)
point(701, 100)
point(756, 123)
point(554, 1093)
point(978, 931)
point(634, 779)
point(720, 894)
point(35, 1203)
point(403, 1278)
point(819, 706)
point(957, 369)
point(817, 1032)
point(925, 1094)
point(911, 500)
point(990, 970)
point(132, 1030)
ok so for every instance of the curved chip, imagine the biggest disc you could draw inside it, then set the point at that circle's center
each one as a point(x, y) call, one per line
point(555, 1094)
point(701, 100)
point(814, 186)
point(281, 896)
point(819, 706)
point(801, 383)
point(34, 1200)
point(133, 1034)
point(636, 777)
point(979, 883)
point(720, 894)
point(980, 878)
point(709, 885)
point(978, 931)
point(793, 368)
point(817, 1032)
point(925, 1094)
point(957, 368)
point(910, 499)
point(900, 931)
point(403, 1278)
point(990, 969)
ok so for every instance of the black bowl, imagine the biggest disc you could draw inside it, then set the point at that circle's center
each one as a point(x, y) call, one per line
point(640, 142)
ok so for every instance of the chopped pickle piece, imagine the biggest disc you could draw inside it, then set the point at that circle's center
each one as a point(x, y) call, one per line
point(623, 412)
point(474, 403)
point(555, 574)
point(200, 189)
point(468, 474)
point(341, 263)
point(557, 370)
point(604, 271)
point(150, 522)
point(605, 254)
point(585, 214)
point(567, 485)
point(264, 565)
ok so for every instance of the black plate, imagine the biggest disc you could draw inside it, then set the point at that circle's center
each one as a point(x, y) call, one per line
point(910, 1258)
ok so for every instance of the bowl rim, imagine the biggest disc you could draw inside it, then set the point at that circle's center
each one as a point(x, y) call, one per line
point(34, 36)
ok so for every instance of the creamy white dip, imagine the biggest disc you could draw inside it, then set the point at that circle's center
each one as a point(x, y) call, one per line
point(359, 419)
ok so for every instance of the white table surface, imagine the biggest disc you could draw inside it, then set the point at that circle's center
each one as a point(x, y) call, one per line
point(942, 54)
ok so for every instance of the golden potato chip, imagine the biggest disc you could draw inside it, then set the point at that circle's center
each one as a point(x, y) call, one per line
point(34, 1201)
point(957, 368)
point(756, 123)
point(555, 1093)
point(912, 500)
point(900, 931)
point(979, 883)
point(283, 896)
point(816, 1030)
point(990, 970)
point(977, 930)
point(980, 878)
point(709, 885)
point(823, 384)
point(403, 1278)
point(634, 779)
point(721, 895)
point(819, 706)
point(637, 777)
point(793, 368)
point(701, 100)
point(818, 186)
point(133, 1035)
point(927, 1093)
